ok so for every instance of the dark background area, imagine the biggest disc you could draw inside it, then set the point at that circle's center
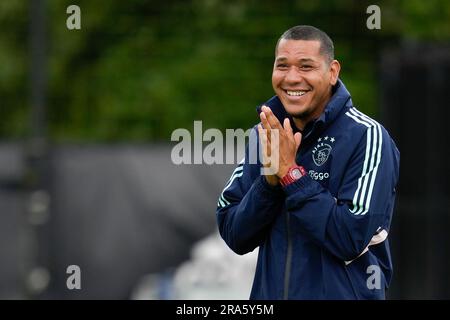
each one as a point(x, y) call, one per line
point(86, 117)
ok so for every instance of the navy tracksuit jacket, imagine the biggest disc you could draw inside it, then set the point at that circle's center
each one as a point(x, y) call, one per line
point(325, 235)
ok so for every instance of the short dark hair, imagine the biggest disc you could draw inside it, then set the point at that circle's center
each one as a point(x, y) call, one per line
point(305, 32)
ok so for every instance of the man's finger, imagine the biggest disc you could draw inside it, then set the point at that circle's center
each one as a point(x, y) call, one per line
point(259, 129)
point(273, 121)
point(264, 142)
point(262, 136)
point(268, 149)
point(265, 124)
point(287, 127)
point(261, 132)
point(297, 139)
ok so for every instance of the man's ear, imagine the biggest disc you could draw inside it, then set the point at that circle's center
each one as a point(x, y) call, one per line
point(335, 67)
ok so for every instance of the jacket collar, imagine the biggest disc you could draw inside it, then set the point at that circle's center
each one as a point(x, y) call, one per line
point(338, 100)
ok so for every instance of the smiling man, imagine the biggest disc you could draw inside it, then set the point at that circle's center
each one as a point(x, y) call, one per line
point(322, 221)
point(303, 74)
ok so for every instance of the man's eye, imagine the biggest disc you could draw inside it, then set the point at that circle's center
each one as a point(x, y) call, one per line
point(281, 65)
point(306, 67)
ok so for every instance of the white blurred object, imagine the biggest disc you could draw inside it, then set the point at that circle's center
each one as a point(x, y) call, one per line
point(214, 272)
point(153, 286)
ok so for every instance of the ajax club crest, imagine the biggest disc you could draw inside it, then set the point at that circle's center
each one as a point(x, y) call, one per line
point(322, 150)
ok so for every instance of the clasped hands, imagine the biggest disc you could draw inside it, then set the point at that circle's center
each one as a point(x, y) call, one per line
point(278, 138)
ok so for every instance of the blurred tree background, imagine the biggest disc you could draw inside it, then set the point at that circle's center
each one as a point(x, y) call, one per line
point(138, 69)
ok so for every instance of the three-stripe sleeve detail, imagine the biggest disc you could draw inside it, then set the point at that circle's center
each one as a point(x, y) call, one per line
point(238, 172)
point(372, 159)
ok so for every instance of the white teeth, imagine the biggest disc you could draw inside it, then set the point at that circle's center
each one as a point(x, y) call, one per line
point(295, 93)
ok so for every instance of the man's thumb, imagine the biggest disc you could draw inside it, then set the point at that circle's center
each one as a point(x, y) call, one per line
point(297, 139)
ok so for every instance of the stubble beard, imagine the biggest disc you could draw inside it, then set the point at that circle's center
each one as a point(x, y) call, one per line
point(304, 115)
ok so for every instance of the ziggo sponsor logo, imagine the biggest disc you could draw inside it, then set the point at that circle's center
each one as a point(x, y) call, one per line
point(318, 175)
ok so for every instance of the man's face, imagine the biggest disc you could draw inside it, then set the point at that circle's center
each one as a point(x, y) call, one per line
point(302, 78)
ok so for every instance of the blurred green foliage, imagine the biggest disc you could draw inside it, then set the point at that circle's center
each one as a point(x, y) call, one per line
point(139, 69)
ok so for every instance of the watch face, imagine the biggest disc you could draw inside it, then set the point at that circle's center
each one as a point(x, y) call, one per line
point(296, 173)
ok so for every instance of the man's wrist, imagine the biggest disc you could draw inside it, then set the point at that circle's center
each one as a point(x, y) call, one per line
point(284, 170)
point(293, 174)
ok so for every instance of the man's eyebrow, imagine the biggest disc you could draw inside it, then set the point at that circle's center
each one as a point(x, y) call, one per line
point(280, 59)
point(306, 60)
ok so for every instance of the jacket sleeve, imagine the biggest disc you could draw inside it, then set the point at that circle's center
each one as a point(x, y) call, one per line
point(247, 206)
point(346, 225)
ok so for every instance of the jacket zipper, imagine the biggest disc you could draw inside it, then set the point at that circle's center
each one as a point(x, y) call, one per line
point(287, 269)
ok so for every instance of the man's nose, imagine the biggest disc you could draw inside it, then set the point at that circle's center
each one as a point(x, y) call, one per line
point(293, 76)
